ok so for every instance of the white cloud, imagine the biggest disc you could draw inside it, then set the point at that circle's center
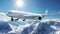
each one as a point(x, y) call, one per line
point(56, 19)
point(4, 17)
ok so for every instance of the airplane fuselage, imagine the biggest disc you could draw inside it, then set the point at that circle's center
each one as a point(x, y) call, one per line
point(23, 15)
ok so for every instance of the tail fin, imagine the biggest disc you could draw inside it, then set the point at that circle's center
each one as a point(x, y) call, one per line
point(46, 13)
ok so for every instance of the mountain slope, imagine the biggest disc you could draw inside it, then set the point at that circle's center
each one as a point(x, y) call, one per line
point(28, 27)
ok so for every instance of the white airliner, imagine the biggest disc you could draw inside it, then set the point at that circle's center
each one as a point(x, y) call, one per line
point(16, 15)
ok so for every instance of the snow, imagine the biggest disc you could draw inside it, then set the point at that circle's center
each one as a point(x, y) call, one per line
point(30, 27)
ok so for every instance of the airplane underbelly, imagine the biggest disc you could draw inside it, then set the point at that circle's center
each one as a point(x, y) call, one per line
point(29, 18)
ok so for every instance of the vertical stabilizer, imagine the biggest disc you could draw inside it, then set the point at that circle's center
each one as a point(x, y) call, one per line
point(46, 13)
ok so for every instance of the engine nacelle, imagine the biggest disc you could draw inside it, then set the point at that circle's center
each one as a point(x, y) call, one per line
point(39, 18)
point(14, 19)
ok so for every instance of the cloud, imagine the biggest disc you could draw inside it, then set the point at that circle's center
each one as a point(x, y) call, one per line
point(56, 19)
point(4, 17)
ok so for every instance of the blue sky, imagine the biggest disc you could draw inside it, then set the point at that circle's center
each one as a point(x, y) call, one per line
point(35, 6)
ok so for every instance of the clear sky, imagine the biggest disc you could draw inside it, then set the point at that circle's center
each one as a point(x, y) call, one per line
point(35, 6)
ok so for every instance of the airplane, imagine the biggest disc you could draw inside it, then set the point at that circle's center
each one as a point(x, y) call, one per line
point(16, 15)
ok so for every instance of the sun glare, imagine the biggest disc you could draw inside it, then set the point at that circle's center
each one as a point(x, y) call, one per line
point(19, 3)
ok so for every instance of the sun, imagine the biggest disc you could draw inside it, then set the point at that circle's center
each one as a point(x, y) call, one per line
point(19, 3)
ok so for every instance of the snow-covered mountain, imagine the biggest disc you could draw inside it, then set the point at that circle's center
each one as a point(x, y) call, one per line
point(28, 27)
